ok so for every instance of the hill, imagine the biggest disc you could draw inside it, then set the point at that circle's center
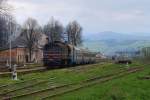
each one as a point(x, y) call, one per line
point(109, 42)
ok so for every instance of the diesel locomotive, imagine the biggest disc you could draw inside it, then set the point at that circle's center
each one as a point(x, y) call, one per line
point(59, 54)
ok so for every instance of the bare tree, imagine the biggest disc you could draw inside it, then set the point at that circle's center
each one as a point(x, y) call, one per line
point(7, 23)
point(74, 33)
point(30, 35)
point(2, 7)
point(54, 30)
point(5, 8)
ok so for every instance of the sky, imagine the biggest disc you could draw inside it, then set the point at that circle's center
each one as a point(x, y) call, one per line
point(126, 16)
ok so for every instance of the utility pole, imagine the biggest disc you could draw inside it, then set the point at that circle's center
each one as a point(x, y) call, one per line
point(12, 68)
point(10, 65)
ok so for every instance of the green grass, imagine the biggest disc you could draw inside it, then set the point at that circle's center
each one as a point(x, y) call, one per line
point(68, 74)
point(126, 88)
point(113, 90)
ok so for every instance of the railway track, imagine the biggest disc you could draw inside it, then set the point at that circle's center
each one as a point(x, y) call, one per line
point(3, 86)
point(11, 88)
point(92, 82)
point(54, 91)
point(24, 87)
point(23, 71)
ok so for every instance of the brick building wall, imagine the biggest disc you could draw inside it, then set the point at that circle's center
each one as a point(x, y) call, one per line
point(20, 55)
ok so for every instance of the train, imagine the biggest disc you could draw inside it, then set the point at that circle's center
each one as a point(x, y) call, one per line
point(60, 54)
point(123, 60)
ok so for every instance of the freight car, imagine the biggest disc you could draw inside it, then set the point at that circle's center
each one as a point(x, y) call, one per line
point(63, 54)
point(123, 60)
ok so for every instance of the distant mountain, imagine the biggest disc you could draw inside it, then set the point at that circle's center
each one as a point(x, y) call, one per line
point(109, 42)
point(108, 35)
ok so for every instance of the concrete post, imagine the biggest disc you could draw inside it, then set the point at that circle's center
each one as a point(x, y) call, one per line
point(14, 73)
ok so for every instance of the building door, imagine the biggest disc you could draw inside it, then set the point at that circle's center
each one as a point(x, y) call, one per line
point(27, 60)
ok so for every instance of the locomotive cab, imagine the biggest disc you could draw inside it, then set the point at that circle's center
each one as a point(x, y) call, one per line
point(55, 54)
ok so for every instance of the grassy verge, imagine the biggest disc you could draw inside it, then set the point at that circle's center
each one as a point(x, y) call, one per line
point(130, 87)
point(66, 75)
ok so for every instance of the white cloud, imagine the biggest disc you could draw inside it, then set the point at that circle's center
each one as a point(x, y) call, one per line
point(94, 15)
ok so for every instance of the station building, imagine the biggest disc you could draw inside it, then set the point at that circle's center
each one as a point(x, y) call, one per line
point(20, 54)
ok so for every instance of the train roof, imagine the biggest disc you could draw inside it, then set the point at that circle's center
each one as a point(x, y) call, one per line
point(70, 46)
point(56, 43)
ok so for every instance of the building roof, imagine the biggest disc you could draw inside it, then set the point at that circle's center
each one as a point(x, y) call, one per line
point(18, 43)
